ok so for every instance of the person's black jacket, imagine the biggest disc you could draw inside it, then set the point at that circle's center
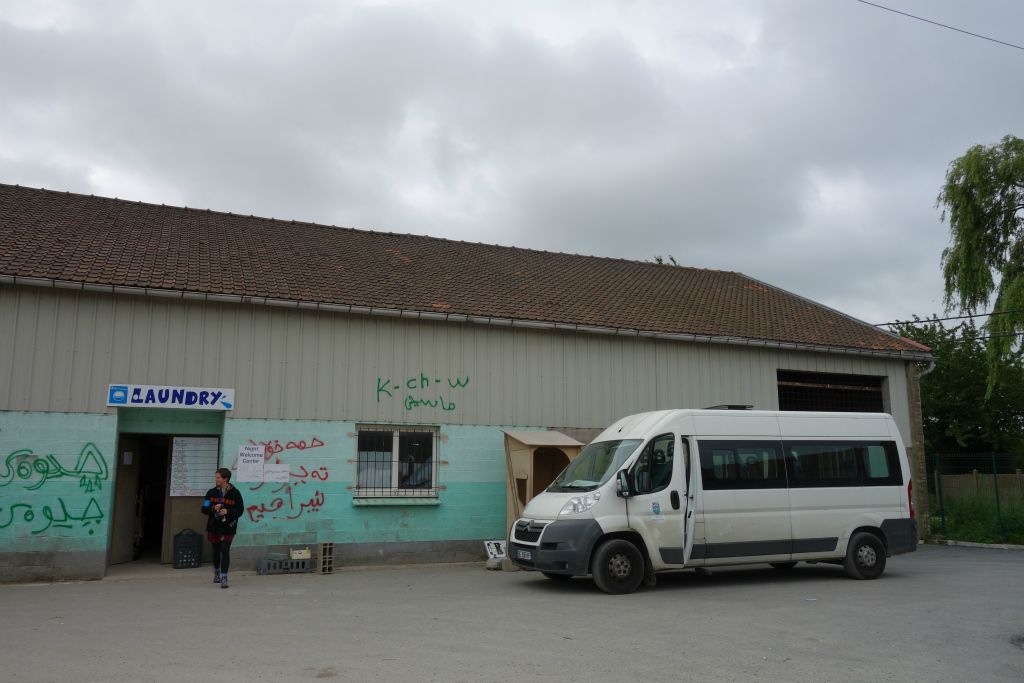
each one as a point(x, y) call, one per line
point(232, 502)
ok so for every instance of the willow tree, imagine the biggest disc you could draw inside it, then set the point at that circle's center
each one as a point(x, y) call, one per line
point(983, 199)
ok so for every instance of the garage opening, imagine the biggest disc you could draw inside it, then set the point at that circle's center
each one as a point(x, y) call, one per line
point(833, 392)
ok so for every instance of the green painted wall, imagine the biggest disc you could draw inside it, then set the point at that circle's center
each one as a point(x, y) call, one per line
point(169, 421)
point(56, 481)
point(317, 505)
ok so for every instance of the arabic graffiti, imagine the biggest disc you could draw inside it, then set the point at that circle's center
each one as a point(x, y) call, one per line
point(274, 447)
point(258, 512)
point(286, 504)
point(90, 469)
point(426, 386)
point(90, 517)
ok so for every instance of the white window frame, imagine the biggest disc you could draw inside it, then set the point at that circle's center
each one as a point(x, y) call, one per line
point(392, 490)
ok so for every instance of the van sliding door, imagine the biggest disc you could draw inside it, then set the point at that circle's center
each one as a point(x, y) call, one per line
point(745, 502)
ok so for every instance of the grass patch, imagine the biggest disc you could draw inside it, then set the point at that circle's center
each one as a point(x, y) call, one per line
point(975, 518)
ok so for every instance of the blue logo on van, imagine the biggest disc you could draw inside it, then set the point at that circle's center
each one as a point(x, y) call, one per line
point(118, 395)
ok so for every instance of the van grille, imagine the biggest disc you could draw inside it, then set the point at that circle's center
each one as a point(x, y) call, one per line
point(528, 530)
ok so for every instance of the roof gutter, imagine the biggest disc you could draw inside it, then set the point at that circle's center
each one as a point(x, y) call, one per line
point(165, 294)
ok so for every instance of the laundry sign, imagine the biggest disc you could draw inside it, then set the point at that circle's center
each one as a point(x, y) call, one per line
point(151, 396)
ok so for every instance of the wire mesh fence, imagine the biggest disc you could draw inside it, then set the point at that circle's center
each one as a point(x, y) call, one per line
point(977, 497)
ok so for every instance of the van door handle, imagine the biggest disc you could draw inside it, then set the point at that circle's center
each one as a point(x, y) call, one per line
point(675, 500)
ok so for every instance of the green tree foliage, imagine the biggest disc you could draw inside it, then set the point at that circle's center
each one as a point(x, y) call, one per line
point(983, 199)
point(957, 415)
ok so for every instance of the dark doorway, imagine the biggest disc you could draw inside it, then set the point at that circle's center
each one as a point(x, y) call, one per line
point(140, 497)
point(153, 462)
point(548, 463)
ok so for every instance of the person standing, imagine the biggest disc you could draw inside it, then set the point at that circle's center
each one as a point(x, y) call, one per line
point(223, 505)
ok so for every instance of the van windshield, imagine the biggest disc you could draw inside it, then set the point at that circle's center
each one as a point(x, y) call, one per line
point(594, 465)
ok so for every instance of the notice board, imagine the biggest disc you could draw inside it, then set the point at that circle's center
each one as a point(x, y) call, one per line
point(193, 462)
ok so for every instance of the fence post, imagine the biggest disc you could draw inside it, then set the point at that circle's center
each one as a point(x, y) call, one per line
point(999, 516)
point(938, 489)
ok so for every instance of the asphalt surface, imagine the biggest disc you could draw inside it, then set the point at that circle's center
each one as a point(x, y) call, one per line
point(940, 614)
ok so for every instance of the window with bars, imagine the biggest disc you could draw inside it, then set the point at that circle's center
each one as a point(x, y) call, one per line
point(830, 392)
point(395, 462)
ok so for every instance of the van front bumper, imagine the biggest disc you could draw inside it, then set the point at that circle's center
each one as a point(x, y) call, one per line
point(564, 547)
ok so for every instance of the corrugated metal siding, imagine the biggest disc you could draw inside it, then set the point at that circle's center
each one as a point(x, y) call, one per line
point(60, 349)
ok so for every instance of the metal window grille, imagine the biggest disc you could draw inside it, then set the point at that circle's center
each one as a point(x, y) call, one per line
point(830, 392)
point(396, 462)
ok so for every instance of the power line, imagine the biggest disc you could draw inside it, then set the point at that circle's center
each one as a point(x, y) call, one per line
point(994, 336)
point(953, 317)
point(929, 21)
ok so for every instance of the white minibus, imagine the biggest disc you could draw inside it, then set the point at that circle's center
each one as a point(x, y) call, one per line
point(677, 489)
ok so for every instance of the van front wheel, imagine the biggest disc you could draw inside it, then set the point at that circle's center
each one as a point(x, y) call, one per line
point(618, 567)
point(865, 557)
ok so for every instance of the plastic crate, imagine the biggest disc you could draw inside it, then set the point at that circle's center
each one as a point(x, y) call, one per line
point(279, 563)
point(187, 549)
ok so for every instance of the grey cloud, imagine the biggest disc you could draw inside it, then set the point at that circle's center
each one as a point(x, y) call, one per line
point(407, 119)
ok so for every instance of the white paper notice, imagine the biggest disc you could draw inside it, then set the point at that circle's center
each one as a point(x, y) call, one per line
point(250, 463)
point(275, 473)
point(193, 462)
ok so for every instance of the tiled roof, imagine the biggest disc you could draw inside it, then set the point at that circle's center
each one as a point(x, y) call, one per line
point(85, 239)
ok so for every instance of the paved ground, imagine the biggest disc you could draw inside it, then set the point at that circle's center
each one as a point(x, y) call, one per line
point(941, 614)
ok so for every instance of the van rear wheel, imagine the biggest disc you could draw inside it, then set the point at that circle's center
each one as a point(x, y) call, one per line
point(865, 556)
point(618, 567)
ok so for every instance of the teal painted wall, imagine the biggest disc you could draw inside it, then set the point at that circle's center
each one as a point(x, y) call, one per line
point(56, 481)
point(169, 421)
point(317, 505)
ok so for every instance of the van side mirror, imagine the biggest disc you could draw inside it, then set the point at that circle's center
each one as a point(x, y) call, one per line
point(622, 487)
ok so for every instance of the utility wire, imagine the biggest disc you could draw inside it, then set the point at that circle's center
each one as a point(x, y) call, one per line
point(953, 317)
point(929, 21)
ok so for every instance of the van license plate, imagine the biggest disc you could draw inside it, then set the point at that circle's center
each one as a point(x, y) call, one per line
point(524, 555)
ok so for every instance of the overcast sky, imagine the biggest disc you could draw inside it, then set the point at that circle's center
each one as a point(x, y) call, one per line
point(801, 142)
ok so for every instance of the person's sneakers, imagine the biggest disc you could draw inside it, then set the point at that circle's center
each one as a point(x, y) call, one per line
point(216, 577)
point(223, 580)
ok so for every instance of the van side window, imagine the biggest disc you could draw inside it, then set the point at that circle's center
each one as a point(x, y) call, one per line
point(653, 470)
point(842, 463)
point(732, 464)
point(882, 465)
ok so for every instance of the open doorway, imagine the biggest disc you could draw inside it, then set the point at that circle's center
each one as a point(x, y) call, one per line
point(548, 463)
point(140, 497)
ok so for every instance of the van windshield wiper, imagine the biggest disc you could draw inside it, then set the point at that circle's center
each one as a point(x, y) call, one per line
point(577, 485)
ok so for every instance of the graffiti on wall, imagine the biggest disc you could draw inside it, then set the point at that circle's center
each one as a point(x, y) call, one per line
point(422, 391)
point(90, 469)
point(288, 499)
point(48, 517)
point(34, 471)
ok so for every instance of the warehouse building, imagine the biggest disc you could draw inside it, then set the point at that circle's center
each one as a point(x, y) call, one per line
point(364, 386)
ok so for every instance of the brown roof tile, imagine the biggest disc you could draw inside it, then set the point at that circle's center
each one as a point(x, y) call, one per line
point(72, 237)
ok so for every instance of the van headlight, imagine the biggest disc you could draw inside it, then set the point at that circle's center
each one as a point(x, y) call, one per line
point(579, 504)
